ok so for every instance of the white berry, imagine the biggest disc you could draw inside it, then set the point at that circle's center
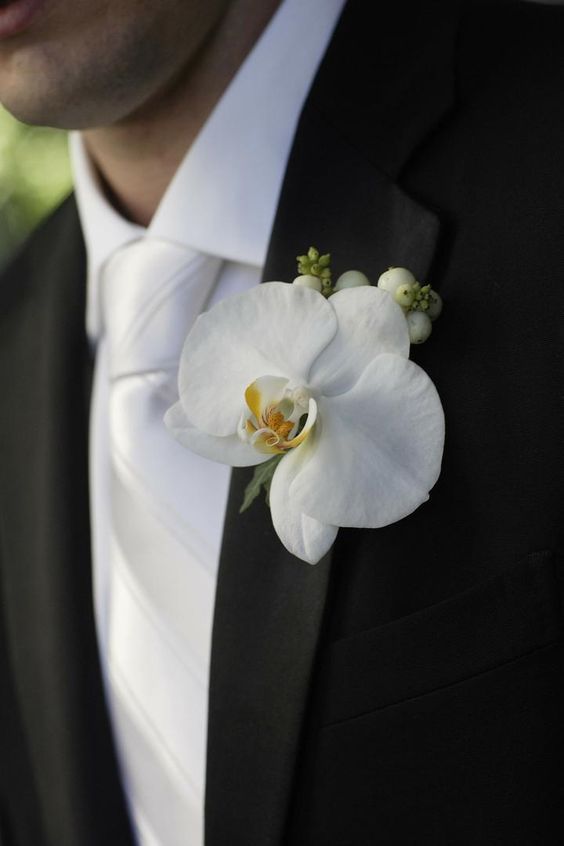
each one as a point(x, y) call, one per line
point(351, 279)
point(308, 281)
point(419, 326)
point(435, 305)
point(391, 279)
point(404, 295)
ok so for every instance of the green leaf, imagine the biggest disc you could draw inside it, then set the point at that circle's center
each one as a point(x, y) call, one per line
point(262, 477)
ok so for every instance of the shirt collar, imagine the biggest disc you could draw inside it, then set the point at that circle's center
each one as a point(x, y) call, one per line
point(223, 197)
point(104, 229)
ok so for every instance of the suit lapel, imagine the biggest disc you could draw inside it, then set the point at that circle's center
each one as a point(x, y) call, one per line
point(44, 374)
point(339, 194)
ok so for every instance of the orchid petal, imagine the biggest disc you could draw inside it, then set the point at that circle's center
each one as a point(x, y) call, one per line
point(378, 450)
point(230, 346)
point(227, 450)
point(303, 536)
point(369, 323)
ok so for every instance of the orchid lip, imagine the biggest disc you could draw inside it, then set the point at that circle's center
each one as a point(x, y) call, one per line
point(273, 421)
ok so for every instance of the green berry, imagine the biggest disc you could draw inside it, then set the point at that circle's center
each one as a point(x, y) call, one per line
point(391, 279)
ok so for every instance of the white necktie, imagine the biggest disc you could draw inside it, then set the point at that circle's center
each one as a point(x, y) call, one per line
point(161, 574)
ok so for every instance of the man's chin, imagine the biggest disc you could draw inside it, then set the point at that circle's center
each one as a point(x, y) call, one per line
point(44, 84)
point(49, 104)
point(35, 112)
point(26, 90)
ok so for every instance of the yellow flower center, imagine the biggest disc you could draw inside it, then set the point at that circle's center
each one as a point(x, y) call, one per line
point(276, 419)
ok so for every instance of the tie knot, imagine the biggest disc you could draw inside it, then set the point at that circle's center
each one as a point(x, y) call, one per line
point(152, 290)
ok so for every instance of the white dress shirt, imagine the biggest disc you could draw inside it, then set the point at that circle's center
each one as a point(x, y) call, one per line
point(222, 202)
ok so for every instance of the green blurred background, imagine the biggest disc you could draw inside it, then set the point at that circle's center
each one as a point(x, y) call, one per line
point(34, 177)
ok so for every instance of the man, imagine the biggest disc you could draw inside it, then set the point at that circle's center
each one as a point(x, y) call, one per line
point(408, 688)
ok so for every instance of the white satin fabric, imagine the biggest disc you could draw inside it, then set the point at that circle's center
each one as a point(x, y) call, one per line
point(162, 560)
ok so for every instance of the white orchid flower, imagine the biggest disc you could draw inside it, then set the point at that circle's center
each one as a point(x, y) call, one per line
point(327, 385)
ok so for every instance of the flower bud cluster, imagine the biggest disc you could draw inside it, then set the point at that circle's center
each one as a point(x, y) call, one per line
point(312, 264)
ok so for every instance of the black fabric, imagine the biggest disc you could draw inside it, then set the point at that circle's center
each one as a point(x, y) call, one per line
point(436, 711)
point(17, 789)
point(409, 688)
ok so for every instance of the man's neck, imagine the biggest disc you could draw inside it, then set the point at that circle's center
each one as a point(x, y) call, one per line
point(137, 157)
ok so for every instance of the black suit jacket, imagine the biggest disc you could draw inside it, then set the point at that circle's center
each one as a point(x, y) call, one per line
point(409, 688)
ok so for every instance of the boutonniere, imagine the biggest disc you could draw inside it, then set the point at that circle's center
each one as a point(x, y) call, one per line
point(311, 383)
